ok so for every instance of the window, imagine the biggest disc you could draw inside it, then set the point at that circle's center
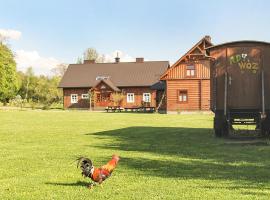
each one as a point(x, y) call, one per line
point(74, 98)
point(103, 87)
point(130, 97)
point(146, 97)
point(98, 98)
point(103, 97)
point(85, 96)
point(190, 70)
point(98, 78)
point(182, 96)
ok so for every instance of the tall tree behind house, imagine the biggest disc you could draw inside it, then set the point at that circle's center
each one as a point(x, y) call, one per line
point(8, 76)
point(91, 54)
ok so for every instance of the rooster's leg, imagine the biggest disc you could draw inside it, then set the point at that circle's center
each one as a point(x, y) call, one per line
point(91, 185)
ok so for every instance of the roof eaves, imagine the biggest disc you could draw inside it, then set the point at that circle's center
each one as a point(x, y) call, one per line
point(235, 42)
point(179, 60)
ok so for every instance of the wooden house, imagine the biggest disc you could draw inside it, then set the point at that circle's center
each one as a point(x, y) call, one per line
point(188, 80)
point(135, 81)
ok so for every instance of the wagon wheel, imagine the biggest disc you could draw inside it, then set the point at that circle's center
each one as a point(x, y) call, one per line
point(265, 127)
point(220, 126)
point(217, 126)
point(226, 130)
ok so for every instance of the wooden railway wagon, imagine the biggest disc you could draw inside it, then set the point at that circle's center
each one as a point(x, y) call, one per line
point(240, 85)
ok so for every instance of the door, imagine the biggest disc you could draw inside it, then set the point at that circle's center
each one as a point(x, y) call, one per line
point(244, 77)
point(103, 99)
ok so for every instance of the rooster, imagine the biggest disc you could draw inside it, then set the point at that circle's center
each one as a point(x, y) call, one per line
point(98, 175)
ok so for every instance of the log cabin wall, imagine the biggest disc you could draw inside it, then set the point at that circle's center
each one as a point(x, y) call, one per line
point(138, 96)
point(84, 103)
point(202, 70)
point(186, 90)
point(81, 104)
point(197, 88)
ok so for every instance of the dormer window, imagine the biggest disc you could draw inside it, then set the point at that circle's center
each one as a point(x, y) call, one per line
point(99, 78)
point(190, 70)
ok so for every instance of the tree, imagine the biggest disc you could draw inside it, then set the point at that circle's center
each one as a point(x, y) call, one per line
point(46, 90)
point(3, 39)
point(92, 98)
point(59, 70)
point(18, 101)
point(79, 60)
point(117, 98)
point(28, 82)
point(101, 59)
point(8, 75)
point(29, 75)
point(90, 54)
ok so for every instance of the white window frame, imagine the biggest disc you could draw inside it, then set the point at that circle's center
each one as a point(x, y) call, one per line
point(130, 98)
point(72, 100)
point(182, 96)
point(147, 97)
point(190, 70)
point(98, 78)
point(85, 96)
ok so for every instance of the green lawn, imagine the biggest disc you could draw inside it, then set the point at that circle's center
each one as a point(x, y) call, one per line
point(163, 157)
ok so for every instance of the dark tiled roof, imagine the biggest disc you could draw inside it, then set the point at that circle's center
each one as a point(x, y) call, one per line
point(161, 85)
point(123, 74)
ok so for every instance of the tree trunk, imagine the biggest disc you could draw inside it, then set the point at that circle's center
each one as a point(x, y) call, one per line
point(161, 100)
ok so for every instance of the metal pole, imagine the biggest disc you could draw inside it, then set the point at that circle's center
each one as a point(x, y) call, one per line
point(226, 84)
point(225, 93)
point(263, 101)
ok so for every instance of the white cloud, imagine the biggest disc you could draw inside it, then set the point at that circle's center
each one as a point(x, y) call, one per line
point(124, 57)
point(6, 34)
point(25, 59)
point(44, 65)
point(41, 65)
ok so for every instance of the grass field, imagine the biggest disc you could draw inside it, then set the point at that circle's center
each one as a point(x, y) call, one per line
point(163, 157)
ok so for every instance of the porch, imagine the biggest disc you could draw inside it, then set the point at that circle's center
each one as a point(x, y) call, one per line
point(139, 109)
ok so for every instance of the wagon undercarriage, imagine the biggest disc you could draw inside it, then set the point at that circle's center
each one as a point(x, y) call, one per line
point(237, 123)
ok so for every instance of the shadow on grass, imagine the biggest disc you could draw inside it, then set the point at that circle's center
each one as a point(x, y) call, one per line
point(161, 140)
point(197, 143)
point(194, 169)
point(78, 183)
point(188, 153)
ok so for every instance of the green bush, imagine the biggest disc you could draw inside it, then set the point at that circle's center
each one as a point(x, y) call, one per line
point(46, 107)
point(32, 104)
point(18, 101)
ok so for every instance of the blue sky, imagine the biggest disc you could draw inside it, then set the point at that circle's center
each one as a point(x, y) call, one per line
point(157, 30)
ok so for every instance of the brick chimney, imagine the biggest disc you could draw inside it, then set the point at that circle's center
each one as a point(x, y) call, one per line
point(139, 60)
point(89, 62)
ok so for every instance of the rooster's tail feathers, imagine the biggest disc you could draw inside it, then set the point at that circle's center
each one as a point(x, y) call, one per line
point(110, 166)
point(85, 164)
point(83, 160)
